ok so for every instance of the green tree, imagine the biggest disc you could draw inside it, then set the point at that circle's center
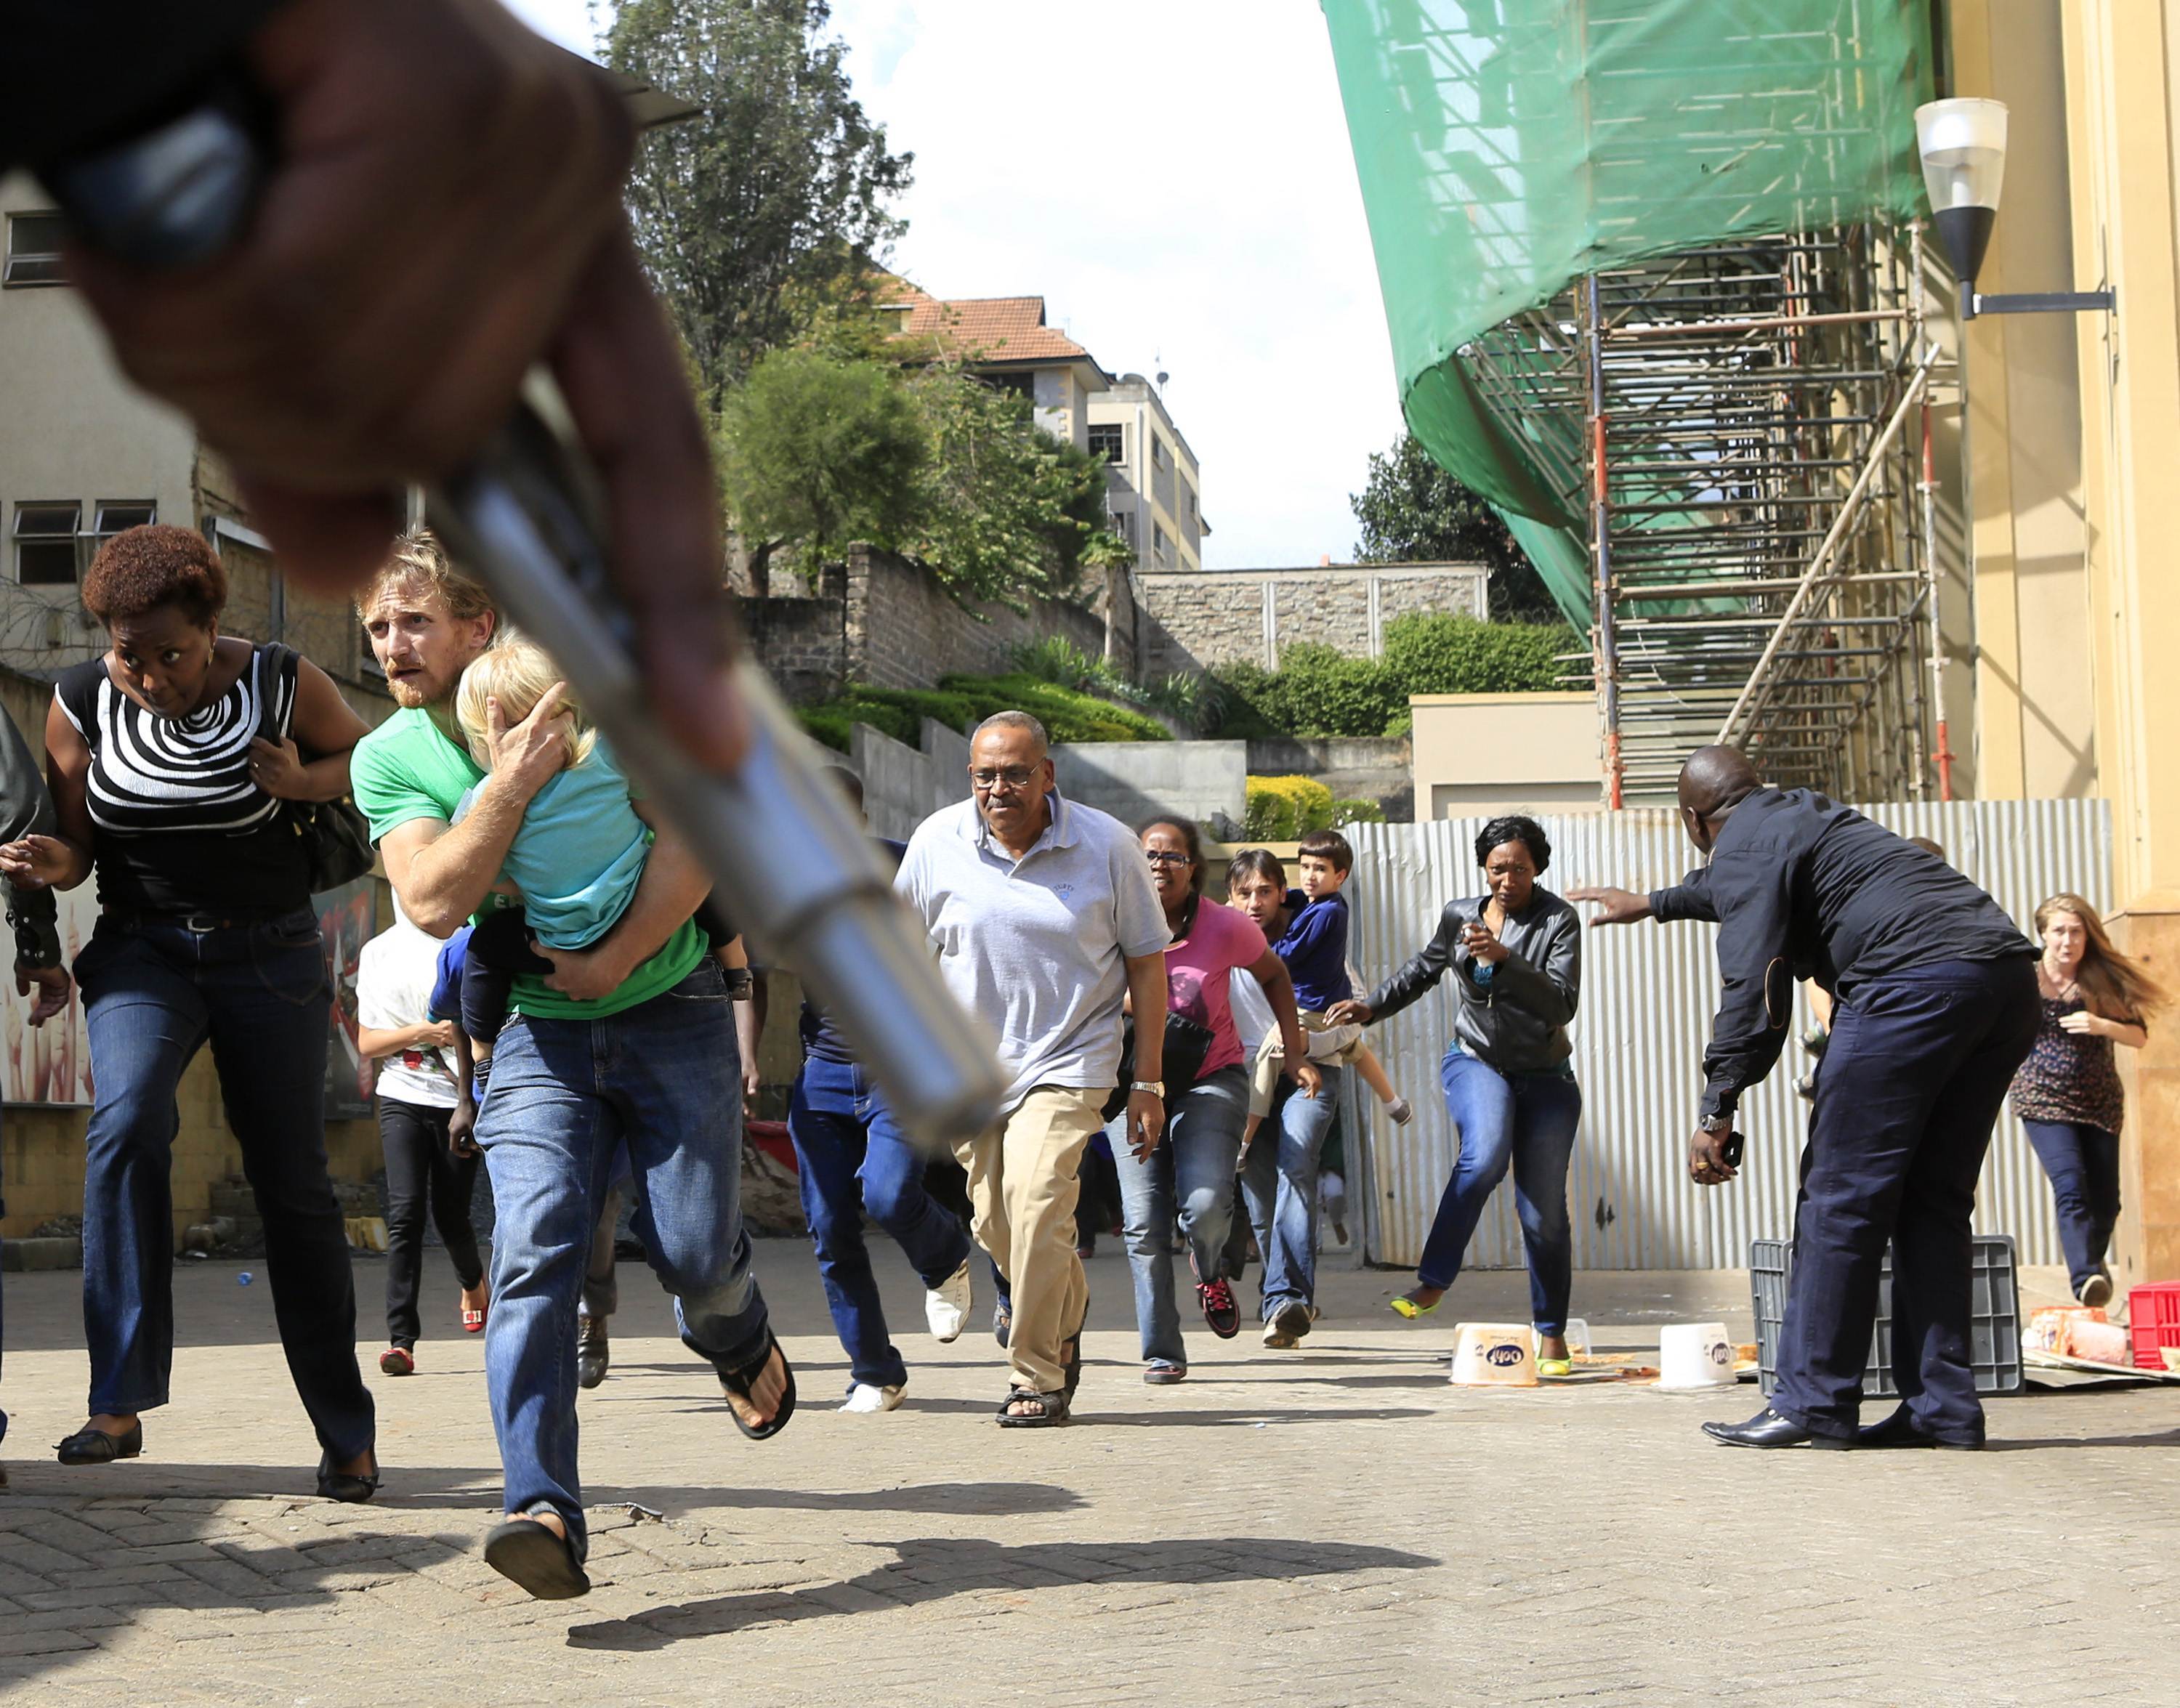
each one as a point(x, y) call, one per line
point(1412, 511)
point(1006, 510)
point(817, 452)
point(777, 188)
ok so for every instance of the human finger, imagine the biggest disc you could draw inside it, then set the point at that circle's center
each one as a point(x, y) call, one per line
point(621, 369)
point(329, 541)
point(550, 703)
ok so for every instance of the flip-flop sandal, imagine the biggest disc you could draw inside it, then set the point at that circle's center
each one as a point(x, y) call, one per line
point(1052, 1409)
point(1403, 1305)
point(742, 1379)
point(1164, 1373)
point(473, 1322)
point(531, 1555)
point(1554, 1366)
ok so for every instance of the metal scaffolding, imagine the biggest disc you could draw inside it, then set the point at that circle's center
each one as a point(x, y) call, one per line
point(1745, 428)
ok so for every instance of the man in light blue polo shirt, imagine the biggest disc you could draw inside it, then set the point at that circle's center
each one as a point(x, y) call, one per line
point(1044, 917)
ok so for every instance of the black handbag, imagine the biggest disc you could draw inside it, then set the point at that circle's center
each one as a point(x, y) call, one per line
point(335, 835)
point(1187, 1043)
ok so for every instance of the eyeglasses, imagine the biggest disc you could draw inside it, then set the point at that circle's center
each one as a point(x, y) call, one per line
point(1015, 777)
point(1166, 857)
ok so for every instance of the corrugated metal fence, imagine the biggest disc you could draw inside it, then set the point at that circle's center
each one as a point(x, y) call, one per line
point(1649, 992)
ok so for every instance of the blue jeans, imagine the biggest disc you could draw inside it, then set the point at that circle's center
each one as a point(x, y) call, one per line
point(1191, 1173)
point(2083, 1164)
point(1528, 1120)
point(153, 995)
point(664, 1078)
point(854, 1159)
point(1278, 1186)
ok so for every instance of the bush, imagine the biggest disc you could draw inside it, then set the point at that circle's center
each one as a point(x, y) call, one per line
point(1318, 692)
point(1281, 808)
point(1431, 653)
point(1350, 810)
point(961, 702)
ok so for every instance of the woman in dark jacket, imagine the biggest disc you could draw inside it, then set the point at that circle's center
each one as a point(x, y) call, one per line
point(1516, 954)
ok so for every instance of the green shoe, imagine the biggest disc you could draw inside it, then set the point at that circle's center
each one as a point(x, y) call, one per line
point(1405, 1306)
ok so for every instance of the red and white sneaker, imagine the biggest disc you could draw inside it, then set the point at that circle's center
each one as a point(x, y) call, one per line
point(1220, 1309)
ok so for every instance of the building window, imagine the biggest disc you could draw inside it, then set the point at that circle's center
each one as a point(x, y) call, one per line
point(1109, 442)
point(34, 249)
point(1159, 552)
point(1124, 525)
point(44, 544)
point(1158, 451)
point(118, 515)
point(1023, 386)
point(1191, 491)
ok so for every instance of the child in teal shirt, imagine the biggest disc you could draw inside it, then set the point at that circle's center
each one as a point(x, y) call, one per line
point(576, 861)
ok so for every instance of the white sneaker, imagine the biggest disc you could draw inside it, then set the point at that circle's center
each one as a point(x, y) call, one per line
point(1400, 1110)
point(946, 1306)
point(863, 1397)
point(2097, 1290)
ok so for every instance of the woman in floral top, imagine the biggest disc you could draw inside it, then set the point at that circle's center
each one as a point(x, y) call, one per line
point(2067, 1093)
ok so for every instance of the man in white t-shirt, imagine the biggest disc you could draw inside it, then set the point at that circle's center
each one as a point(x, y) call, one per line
point(416, 1098)
point(1044, 917)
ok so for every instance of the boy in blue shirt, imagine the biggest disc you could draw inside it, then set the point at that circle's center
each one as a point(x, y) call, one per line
point(1278, 1179)
point(1315, 944)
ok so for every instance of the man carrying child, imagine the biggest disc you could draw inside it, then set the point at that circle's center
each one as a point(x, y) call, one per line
point(629, 1040)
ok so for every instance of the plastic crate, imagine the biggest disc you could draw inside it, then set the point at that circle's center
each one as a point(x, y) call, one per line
point(2153, 1319)
point(1995, 1325)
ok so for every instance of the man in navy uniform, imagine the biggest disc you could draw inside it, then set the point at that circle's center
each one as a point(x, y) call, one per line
point(1936, 1007)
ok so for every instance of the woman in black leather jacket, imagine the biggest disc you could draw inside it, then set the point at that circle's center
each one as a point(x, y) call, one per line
point(1516, 954)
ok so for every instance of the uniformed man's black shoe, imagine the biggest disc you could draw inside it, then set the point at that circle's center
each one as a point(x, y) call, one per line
point(1767, 1429)
point(1899, 1430)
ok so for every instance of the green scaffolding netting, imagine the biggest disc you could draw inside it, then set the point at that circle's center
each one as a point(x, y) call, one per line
point(1508, 147)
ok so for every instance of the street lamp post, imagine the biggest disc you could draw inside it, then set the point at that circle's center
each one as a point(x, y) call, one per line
point(1963, 143)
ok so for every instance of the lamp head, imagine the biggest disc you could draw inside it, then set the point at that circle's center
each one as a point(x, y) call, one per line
point(1963, 143)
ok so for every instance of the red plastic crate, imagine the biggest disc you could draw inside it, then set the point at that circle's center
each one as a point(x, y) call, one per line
point(2153, 1319)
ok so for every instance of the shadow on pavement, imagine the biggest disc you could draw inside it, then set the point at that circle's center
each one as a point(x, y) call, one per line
point(930, 1569)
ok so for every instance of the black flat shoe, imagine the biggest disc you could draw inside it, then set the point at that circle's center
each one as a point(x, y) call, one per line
point(1767, 1429)
point(91, 1447)
point(531, 1555)
point(348, 1486)
point(1899, 1430)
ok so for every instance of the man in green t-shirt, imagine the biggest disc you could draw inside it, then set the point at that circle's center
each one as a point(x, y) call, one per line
point(629, 1042)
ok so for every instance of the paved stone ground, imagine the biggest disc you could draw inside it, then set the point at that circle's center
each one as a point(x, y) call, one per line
point(1327, 1526)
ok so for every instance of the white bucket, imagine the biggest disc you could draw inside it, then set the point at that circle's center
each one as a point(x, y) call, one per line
point(1495, 1355)
point(1695, 1355)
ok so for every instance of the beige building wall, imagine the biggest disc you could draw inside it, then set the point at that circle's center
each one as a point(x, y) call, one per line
point(2072, 446)
point(2035, 722)
point(1486, 752)
point(72, 428)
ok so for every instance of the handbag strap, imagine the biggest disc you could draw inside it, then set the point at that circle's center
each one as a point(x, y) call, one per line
point(272, 666)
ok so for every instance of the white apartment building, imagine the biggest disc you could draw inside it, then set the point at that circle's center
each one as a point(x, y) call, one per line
point(1155, 489)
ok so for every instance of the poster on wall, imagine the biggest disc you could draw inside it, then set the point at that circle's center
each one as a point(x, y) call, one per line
point(50, 1064)
point(348, 919)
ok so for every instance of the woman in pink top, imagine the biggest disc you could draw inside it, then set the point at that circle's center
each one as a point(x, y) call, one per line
point(1190, 1171)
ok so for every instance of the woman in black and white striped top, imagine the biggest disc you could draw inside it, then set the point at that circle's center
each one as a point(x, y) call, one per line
point(168, 759)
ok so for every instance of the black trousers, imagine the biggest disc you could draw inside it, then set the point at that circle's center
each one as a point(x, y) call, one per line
point(420, 1169)
point(1918, 1068)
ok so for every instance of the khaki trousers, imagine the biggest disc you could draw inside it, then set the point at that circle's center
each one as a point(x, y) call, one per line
point(1023, 1183)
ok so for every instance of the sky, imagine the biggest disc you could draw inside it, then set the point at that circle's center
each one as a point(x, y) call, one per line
point(1176, 181)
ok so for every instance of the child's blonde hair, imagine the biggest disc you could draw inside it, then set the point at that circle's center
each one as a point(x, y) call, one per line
point(517, 672)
